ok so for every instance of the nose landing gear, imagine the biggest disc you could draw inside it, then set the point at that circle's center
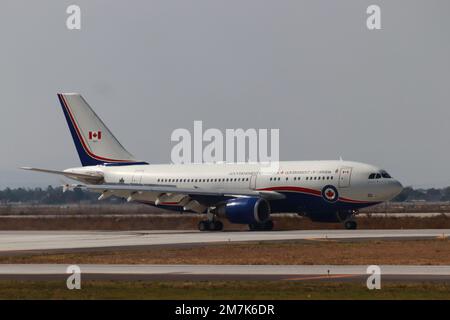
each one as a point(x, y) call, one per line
point(349, 219)
point(350, 225)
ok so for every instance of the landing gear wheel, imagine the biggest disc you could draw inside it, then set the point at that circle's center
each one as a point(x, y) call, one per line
point(266, 226)
point(218, 225)
point(214, 225)
point(203, 225)
point(350, 225)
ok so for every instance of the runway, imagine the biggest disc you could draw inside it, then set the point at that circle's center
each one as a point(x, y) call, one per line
point(13, 241)
point(225, 272)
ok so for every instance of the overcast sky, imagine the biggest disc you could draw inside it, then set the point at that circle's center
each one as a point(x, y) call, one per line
point(310, 68)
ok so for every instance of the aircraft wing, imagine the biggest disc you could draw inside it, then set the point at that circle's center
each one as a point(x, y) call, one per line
point(131, 188)
point(93, 177)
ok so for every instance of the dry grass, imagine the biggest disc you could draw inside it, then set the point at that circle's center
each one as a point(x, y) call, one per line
point(413, 252)
point(189, 222)
point(248, 290)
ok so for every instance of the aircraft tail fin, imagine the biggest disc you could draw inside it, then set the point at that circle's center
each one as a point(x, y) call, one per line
point(94, 142)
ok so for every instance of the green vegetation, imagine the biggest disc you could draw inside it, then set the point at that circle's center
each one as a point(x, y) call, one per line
point(220, 290)
point(433, 194)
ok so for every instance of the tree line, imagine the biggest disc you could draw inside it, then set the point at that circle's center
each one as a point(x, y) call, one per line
point(55, 195)
point(49, 195)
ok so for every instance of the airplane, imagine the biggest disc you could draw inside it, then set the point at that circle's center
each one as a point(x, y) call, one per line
point(242, 193)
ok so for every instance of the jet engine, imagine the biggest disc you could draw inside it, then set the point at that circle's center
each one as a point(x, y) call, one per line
point(248, 210)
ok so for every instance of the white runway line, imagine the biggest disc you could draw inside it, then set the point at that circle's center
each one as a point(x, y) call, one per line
point(48, 240)
point(289, 270)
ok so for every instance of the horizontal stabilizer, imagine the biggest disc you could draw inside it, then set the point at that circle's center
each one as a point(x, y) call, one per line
point(93, 177)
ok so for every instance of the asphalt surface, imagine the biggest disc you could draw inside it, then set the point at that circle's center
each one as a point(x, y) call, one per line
point(16, 241)
point(225, 272)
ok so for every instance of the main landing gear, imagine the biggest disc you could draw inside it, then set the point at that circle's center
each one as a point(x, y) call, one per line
point(266, 226)
point(213, 225)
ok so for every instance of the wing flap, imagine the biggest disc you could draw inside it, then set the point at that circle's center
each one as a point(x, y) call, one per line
point(269, 195)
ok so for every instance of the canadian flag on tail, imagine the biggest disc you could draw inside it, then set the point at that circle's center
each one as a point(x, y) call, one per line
point(95, 135)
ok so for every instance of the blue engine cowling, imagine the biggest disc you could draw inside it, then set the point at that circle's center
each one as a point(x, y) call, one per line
point(248, 210)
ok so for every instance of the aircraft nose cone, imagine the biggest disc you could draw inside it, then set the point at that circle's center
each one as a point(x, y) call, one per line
point(396, 188)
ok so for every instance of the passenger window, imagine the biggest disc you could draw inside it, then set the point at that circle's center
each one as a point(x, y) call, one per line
point(378, 176)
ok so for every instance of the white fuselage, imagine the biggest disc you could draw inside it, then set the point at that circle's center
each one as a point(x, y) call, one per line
point(351, 179)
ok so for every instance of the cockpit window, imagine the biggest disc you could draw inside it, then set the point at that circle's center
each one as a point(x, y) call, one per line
point(384, 174)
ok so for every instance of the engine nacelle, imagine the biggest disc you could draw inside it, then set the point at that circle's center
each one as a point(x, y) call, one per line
point(248, 210)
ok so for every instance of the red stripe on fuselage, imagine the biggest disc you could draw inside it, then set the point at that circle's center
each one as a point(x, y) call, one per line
point(294, 189)
point(308, 191)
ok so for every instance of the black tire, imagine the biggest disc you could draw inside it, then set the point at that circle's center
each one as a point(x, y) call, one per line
point(203, 226)
point(350, 225)
point(268, 226)
point(211, 225)
point(218, 225)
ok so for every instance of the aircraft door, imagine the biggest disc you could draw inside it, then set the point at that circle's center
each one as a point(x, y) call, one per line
point(344, 177)
point(252, 185)
point(137, 177)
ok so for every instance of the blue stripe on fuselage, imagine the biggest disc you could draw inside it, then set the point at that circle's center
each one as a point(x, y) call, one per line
point(296, 202)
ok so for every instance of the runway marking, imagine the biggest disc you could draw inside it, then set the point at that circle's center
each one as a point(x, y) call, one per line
point(337, 276)
point(14, 241)
point(321, 239)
